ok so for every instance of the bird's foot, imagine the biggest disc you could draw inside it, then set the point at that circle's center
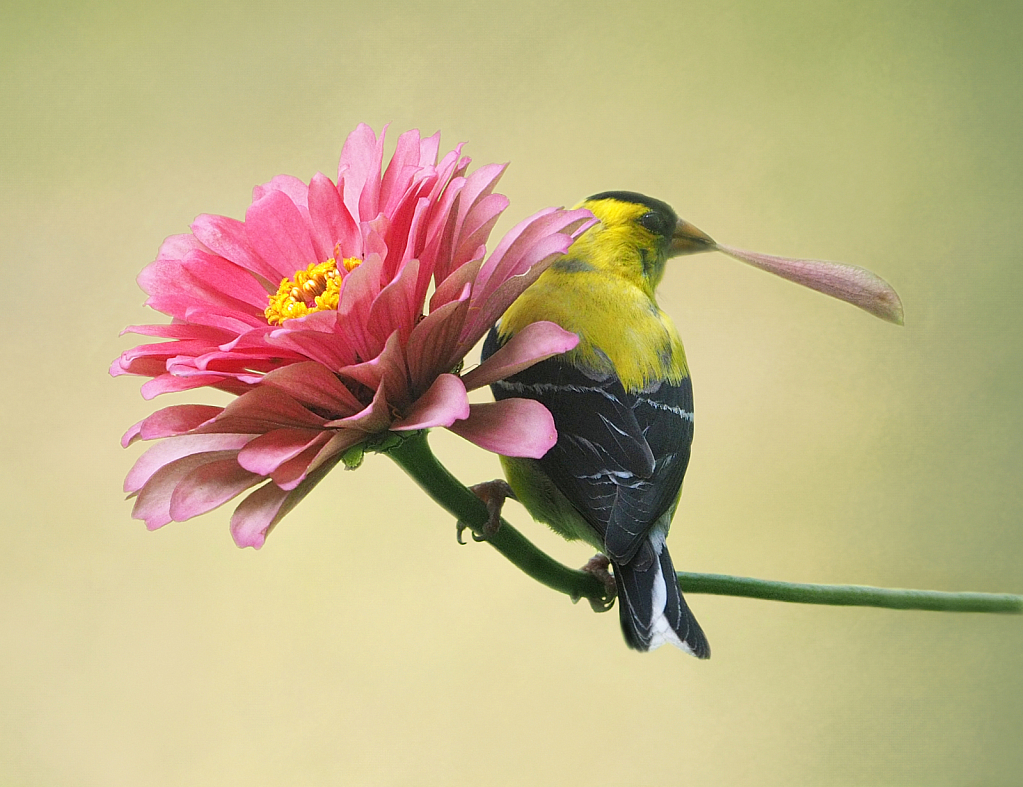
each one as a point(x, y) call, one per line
point(493, 494)
point(597, 566)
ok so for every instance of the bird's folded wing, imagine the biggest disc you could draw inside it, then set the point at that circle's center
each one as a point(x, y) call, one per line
point(620, 457)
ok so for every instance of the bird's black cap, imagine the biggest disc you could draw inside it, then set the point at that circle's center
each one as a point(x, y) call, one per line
point(655, 205)
point(660, 218)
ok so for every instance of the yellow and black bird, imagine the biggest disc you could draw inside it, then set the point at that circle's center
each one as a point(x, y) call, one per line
point(622, 403)
point(622, 399)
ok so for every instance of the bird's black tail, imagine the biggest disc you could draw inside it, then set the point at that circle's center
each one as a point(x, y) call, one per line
point(651, 606)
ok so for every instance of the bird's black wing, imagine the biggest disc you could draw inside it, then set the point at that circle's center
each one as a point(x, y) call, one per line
point(620, 457)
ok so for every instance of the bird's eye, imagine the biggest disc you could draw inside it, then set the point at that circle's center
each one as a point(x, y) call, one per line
point(654, 222)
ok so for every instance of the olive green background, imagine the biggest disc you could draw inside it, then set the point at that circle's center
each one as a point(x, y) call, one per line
point(361, 645)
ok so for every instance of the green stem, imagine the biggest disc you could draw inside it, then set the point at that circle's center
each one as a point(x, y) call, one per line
point(849, 595)
point(414, 456)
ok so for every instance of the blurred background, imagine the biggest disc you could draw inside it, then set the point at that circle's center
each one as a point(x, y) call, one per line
point(362, 645)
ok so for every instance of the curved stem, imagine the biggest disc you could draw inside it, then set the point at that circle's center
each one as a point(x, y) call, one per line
point(414, 456)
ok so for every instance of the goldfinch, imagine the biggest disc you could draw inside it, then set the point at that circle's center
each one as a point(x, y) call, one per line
point(622, 403)
point(622, 400)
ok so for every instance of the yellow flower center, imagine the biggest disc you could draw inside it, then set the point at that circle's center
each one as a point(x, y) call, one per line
point(315, 289)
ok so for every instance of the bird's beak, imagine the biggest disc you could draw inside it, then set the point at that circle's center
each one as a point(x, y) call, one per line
point(686, 239)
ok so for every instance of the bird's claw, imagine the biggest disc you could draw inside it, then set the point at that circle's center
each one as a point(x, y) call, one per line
point(597, 566)
point(493, 494)
point(461, 527)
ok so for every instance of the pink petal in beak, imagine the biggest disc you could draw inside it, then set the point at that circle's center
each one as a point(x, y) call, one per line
point(848, 283)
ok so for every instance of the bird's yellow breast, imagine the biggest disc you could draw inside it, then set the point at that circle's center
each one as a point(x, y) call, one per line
point(619, 325)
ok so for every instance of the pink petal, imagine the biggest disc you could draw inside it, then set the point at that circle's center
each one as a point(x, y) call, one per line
point(276, 229)
point(179, 330)
point(373, 419)
point(223, 277)
point(511, 427)
point(536, 342)
point(476, 188)
point(152, 505)
point(848, 283)
point(451, 168)
point(208, 486)
point(160, 281)
point(402, 168)
point(313, 345)
point(523, 254)
point(132, 434)
point(360, 288)
point(182, 290)
point(167, 383)
point(403, 233)
point(415, 234)
point(532, 240)
point(255, 515)
point(387, 369)
point(198, 315)
point(161, 351)
point(432, 347)
point(416, 242)
point(174, 420)
point(177, 247)
point(263, 410)
point(440, 231)
point(291, 473)
point(174, 448)
point(314, 385)
point(393, 364)
point(453, 288)
point(269, 451)
point(145, 367)
point(331, 222)
point(321, 322)
point(226, 237)
point(359, 172)
point(294, 471)
point(518, 241)
point(484, 313)
point(428, 149)
point(478, 224)
point(243, 366)
point(375, 233)
point(315, 337)
point(443, 404)
point(396, 307)
point(246, 367)
point(290, 186)
point(260, 512)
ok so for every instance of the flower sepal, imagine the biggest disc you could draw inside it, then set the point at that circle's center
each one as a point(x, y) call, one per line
point(382, 443)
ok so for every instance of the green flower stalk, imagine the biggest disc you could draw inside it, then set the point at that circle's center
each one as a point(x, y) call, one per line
point(414, 455)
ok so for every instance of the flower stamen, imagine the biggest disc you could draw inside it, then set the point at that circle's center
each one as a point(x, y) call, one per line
point(315, 289)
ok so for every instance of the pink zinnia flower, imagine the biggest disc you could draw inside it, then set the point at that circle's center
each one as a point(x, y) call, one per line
point(314, 312)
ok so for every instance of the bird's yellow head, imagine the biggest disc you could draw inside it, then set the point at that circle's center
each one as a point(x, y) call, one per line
point(634, 238)
point(602, 289)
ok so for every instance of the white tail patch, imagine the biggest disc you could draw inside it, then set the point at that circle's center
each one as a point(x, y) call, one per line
point(660, 629)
